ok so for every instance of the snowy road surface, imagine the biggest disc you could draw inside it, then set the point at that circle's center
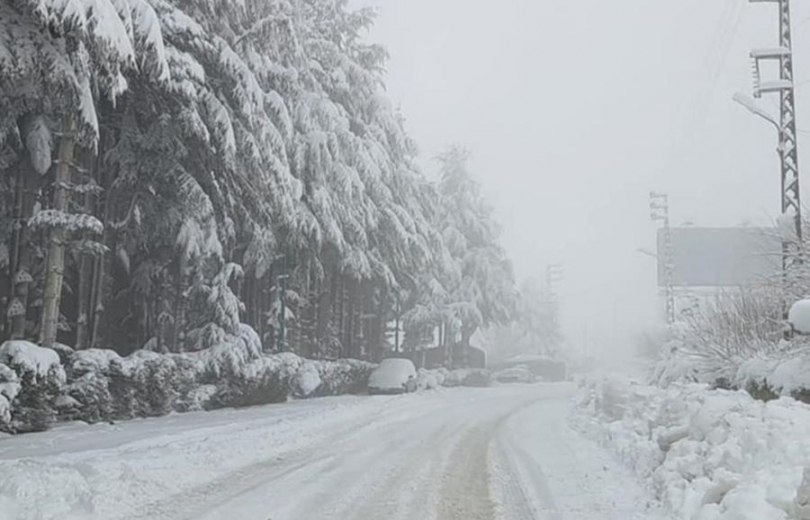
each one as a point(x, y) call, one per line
point(459, 454)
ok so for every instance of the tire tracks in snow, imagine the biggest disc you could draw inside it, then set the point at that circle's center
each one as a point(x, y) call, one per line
point(411, 458)
point(195, 502)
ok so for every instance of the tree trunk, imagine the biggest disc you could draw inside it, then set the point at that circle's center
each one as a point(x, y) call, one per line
point(55, 263)
point(20, 261)
point(350, 321)
point(102, 264)
point(7, 287)
point(83, 325)
point(181, 305)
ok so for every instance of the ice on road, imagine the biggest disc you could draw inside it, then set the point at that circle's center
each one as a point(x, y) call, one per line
point(456, 454)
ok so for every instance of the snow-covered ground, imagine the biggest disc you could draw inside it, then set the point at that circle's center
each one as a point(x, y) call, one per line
point(708, 454)
point(493, 453)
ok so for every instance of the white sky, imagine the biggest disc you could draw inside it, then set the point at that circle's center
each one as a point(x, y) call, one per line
point(574, 111)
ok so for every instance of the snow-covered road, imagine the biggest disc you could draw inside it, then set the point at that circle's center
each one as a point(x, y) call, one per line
point(456, 454)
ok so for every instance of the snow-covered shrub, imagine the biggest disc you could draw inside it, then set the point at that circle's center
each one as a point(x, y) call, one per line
point(186, 382)
point(34, 408)
point(200, 398)
point(710, 344)
point(41, 379)
point(25, 357)
point(262, 381)
point(94, 360)
point(123, 391)
point(64, 352)
point(343, 376)
point(104, 386)
point(799, 316)
point(784, 371)
point(306, 380)
point(230, 356)
point(154, 380)
point(9, 389)
point(92, 393)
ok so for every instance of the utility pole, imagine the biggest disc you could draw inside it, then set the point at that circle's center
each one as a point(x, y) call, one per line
point(785, 125)
point(554, 274)
point(659, 211)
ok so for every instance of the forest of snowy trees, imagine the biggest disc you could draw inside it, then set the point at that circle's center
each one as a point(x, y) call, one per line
point(173, 169)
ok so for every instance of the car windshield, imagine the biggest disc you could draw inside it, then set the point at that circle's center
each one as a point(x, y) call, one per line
point(404, 259)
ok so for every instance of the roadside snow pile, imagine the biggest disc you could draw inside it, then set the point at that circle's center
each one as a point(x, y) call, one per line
point(435, 378)
point(709, 454)
point(431, 379)
point(474, 377)
point(99, 385)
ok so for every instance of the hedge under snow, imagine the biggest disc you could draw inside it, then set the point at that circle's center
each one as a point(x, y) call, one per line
point(39, 385)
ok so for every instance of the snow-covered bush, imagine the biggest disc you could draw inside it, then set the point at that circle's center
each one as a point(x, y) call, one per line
point(200, 398)
point(262, 381)
point(306, 380)
point(710, 344)
point(63, 351)
point(228, 357)
point(41, 380)
point(342, 376)
point(91, 391)
point(778, 372)
point(186, 381)
point(9, 389)
point(799, 316)
point(94, 360)
point(709, 454)
point(152, 384)
point(26, 357)
point(103, 386)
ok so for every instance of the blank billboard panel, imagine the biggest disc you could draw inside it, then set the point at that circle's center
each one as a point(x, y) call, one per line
point(718, 257)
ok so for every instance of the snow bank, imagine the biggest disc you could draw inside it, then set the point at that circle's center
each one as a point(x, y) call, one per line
point(709, 454)
point(467, 377)
point(431, 379)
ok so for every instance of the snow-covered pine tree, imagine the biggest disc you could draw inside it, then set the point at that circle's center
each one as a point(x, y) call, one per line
point(64, 60)
point(479, 282)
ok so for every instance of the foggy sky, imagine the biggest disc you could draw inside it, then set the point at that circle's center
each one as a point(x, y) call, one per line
point(574, 111)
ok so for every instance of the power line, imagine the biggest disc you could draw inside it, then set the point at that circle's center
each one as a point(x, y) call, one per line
point(716, 57)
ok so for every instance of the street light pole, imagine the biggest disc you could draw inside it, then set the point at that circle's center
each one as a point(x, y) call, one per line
point(659, 211)
point(785, 125)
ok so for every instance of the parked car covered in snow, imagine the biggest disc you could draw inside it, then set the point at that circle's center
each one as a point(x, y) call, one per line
point(516, 374)
point(393, 376)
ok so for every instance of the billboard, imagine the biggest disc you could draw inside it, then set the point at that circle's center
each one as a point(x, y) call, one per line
point(718, 257)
